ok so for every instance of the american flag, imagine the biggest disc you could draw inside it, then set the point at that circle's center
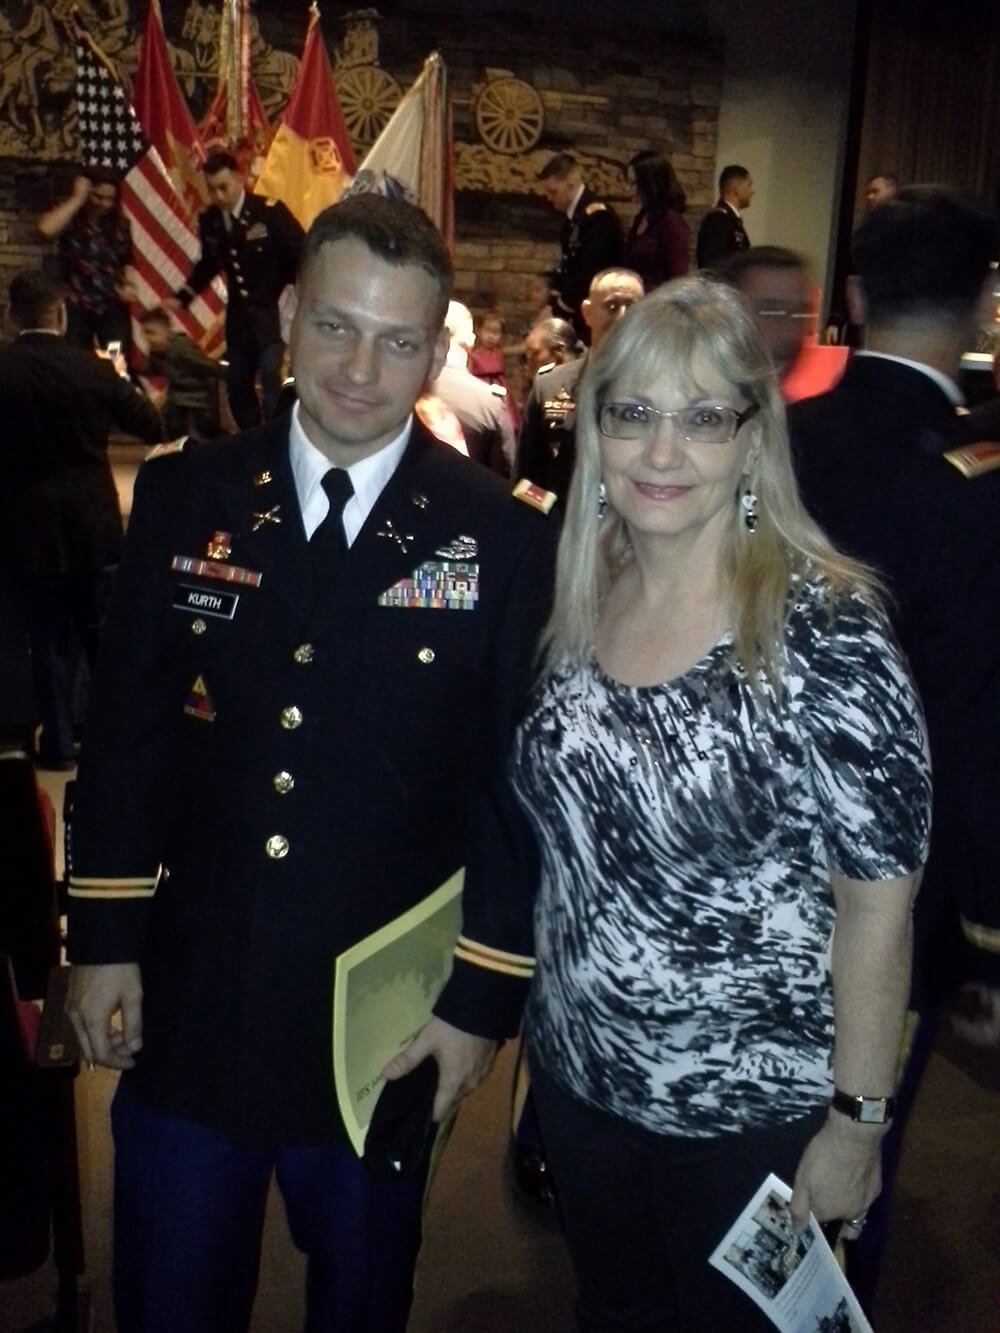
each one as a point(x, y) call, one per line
point(164, 237)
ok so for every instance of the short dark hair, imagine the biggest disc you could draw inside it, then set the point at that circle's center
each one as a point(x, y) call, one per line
point(34, 296)
point(155, 315)
point(219, 161)
point(657, 183)
point(395, 230)
point(557, 333)
point(733, 172)
point(557, 167)
point(926, 251)
point(101, 175)
point(735, 267)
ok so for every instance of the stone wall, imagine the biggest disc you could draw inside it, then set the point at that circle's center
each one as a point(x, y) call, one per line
point(521, 90)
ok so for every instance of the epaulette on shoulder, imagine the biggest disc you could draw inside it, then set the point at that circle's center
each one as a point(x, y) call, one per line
point(975, 460)
point(166, 450)
point(597, 207)
point(498, 390)
point(544, 370)
point(536, 496)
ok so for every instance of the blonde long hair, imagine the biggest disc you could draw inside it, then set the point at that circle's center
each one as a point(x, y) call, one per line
point(660, 337)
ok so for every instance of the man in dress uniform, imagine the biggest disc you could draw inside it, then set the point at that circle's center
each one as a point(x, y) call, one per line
point(322, 638)
point(255, 242)
point(721, 232)
point(60, 524)
point(591, 238)
point(872, 471)
point(546, 451)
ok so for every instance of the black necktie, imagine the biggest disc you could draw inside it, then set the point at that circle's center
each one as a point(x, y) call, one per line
point(328, 544)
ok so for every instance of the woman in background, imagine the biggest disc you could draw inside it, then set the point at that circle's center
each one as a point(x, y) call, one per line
point(658, 245)
point(95, 254)
point(724, 759)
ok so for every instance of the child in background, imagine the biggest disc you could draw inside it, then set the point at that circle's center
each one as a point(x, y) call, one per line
point(486, 360)
point(191, 402)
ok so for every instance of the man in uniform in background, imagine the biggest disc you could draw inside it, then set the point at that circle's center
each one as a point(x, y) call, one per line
point(591, 238)
point(871, 470)
point(546, 449)
point(322, 638)
point(60, 523)
point(255, 242)
point(722, 232)
point(776, 286)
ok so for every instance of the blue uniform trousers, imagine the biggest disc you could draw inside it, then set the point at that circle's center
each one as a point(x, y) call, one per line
point(189, 1212)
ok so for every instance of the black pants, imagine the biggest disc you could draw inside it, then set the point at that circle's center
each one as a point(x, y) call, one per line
point(249, 359)
point(643, 1212)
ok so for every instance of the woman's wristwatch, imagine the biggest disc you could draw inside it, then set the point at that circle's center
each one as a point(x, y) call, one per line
point(866, 1110)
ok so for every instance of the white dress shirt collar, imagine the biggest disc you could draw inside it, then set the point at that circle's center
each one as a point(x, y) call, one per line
point(576, 199)
point(947, 385)
point(369, 477)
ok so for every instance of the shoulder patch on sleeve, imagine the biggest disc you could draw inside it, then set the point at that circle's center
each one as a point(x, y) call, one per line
point(535, 496)
point(498, 390)
point(595, 208)
point(544, 370)
point(975, 460)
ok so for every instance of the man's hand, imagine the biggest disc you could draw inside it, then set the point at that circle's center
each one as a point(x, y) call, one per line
point(96, 995)
point(463, 1061)
point(840, 1174)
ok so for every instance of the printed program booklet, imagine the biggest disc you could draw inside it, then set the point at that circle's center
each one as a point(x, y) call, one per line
point(792, 1275)
point(383, 991)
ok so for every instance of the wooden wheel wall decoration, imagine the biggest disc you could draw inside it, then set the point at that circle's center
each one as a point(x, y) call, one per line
point(368, 96)
point(509, 116)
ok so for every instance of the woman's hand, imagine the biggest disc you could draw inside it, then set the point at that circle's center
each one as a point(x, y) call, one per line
point(840, 1174)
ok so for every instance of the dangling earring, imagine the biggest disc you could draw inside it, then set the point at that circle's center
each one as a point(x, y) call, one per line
point(602, 501)
point(748, 503)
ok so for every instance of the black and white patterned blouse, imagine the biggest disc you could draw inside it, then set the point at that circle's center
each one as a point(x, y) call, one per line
point(687, 836)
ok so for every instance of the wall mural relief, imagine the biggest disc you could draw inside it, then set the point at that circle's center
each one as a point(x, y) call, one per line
point(505, 126)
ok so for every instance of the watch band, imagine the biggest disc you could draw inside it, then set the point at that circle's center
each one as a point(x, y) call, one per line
point(866, 1110)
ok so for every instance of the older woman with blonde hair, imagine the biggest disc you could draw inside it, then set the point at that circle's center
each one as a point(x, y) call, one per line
point(725, 764)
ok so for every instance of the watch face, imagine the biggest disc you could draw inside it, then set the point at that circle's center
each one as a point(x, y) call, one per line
point(871, 1111)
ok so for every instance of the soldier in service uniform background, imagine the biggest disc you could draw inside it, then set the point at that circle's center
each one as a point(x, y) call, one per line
point(722, 232)
point(255, 243)
point(870, 468)
point(591, 238)
point(60, 524)
point(546, 449)
point(322, 637)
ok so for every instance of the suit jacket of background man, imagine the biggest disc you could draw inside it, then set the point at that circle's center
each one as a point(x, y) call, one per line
point(259, 258)
point(721, 234)
point(397, 759)
point(592, 239)
point(546, 449)
point(58, 504)
point(867, 457)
